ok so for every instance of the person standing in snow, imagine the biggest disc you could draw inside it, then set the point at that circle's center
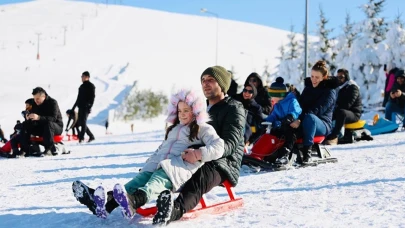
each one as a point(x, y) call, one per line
point(72, 115)
point(166, 168)
point(85, 101)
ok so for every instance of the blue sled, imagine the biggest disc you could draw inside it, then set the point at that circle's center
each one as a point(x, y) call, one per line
point(382, 126)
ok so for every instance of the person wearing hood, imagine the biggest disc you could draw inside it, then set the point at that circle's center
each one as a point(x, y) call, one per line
point(317, 102)
point(254, 118)
point(262, 98)
point(348, 105)
point(44, 120)
point(171, 165)
point(286, 110)
point(396, 102)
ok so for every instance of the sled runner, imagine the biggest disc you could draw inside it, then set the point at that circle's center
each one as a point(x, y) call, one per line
point(216, 208)
point(264, 153)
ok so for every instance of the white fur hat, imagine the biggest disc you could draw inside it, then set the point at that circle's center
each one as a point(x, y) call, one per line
point(197, 103)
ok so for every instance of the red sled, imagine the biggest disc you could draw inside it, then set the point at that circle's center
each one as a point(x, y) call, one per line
point(263, 153)
point(217, 208)
point(72, 137)
point(56, 139)
point(7, 147)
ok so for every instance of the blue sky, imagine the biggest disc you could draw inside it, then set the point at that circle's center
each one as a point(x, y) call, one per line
point(274, 13)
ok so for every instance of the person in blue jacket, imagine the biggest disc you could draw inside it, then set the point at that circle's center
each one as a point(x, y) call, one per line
point(286, 110)
point(317, 102)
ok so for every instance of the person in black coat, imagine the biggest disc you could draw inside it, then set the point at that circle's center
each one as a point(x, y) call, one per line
point(396, 102)
point(254, 116)
point(262, 98)
point(84, 101)
point(44, 119)
point(317, 102)
point(348, 106)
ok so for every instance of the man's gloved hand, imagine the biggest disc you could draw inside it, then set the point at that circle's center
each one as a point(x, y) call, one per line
point(287, 120)
point(191, 155)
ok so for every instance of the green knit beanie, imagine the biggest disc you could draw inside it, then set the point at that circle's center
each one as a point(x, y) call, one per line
point(220, 74)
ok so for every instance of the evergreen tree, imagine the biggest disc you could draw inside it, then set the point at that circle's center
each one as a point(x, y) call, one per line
point(344, 44)
point(324, 47)
point(367, 67)
point(394, 53)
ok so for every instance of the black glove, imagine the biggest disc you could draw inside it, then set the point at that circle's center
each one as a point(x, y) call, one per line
point(287, 120)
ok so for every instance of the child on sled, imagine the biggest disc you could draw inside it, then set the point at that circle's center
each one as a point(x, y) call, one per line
point(169, 167)
point(286, 110)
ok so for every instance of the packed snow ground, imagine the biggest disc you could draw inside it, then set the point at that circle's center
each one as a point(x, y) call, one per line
point(365, 188)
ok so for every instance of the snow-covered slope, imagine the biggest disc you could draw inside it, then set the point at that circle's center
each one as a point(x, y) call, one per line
point(118, 45)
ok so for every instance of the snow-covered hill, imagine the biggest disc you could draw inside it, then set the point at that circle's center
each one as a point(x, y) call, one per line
point(162, 51)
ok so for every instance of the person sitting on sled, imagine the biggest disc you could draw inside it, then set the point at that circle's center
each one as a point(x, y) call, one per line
point(317, 102)
point(286, 110)
point(165, 169)
point(254, 118)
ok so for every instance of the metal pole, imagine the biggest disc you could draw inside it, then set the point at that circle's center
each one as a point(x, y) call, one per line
point(64, 35)
point(82, 22)
point(38, 34)
point(216, 45)
point(203, 10)
point(306, 39)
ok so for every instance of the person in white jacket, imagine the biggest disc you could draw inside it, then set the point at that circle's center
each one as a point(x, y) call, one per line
point(165, 169)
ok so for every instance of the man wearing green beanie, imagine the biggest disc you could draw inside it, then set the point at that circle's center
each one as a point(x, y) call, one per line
point(228, 117)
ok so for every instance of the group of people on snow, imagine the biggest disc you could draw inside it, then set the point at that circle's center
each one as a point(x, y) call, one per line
point(199, 153)
point(42, 118)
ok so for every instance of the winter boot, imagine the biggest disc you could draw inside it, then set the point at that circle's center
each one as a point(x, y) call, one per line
point(99, 199)
point(111, 203)
point(137, 199)
point(284, 154)
point(168, 210)
point(84, 195)
point(306, 152)
point(121, 197)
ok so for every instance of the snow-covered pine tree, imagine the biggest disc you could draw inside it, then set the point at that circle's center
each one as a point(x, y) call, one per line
point(394, 53)
point(367, 67)
point(344, 44)
point(324, 47)
point(266, 76)
point(289, 67)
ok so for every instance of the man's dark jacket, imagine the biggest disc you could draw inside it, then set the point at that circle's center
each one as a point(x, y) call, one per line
point(49, 111)
point(228, 119)
point(349, 99)
point(85, 98)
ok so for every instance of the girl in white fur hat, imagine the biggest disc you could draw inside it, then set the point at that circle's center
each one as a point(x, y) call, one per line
point(171, 165)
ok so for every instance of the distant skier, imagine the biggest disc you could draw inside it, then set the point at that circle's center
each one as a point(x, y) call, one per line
point(106, 127)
